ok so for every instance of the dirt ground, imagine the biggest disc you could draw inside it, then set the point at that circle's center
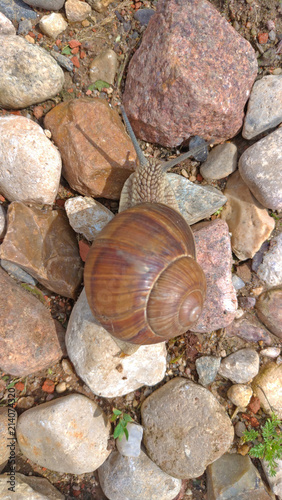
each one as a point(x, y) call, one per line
point(117, 29)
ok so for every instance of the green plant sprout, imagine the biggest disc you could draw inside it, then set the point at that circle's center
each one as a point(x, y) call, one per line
point(271, 447)
point(218, 211)
point(121, 427)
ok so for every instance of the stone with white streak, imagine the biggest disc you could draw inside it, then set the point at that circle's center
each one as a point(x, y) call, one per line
point(241, 366)
point(6, 26)
point(30, 165)
point(99, 361)
point(53, 24)
point(87, 216)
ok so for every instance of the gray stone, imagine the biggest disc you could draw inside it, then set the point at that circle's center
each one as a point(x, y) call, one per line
point(37, 78)
point(130, 447)
point(250, 329)
point(234, 477)
point(275, 482)
point(28, 488)
point(63, 61)
point(87, 216)
point(6, 27)
point(69, 434)
point(15, 10)
point(207, 368)
point(53, 24)
point(241, 366)
point(240, 395)
point(195, 202)
point(3, 222)
point(46, 4)
point(24, 27)
point(264, 106)
point(240, 429)
point(104, 67)
point(8, 421)
point(99, 361)
point(221, 162)
point(269, 310)
point(30, 165)
point(267, 386)
point(237, 282)
point(270, 271)
point(185, 428)
point(17, 272)
point(136, 479)
point(144, 16)
point(258, 167)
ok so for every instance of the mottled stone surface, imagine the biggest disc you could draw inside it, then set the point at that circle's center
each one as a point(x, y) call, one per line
point(264, 106)
point(46, 4)
point(267, 385)
point(97, 168)
point(185, 428)
point(250, 329)
point(241, 366)
point(53, 24)
point(104, 67)
point(69, 434)
point(215, 257)
point(269, 310)
point(17, 272)
point(258, 167)
point(248, 221)
point(28, 488)
point(183, 41)
point(100, 362)
point(235, 477)
point(39, 77)
point(131, 447)
point(270, 270)
point(30, 339)
point(275, 482)
point(15, 10)
point(136, 479)
point(207, 368)
point(45, 246)
point(30, 165)
point(221, 162)
point(6, 27)
point(87, 216)
point(77, 11)
point(240, 394)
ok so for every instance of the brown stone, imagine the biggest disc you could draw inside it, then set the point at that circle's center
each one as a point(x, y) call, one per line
point(99, 162)
point(43, 244)
point(244, 272)
point(269, 310)
point(247, 219)
point(250, 329)
point(192, 75)
point(267, 386)
point(30, 339)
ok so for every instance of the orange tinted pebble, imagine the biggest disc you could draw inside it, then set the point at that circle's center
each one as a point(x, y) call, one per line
point(75, 61)
point(48, 386)
point(74, 43)
point(19, 386)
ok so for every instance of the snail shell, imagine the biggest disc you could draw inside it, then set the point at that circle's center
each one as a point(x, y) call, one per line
point(141, 277)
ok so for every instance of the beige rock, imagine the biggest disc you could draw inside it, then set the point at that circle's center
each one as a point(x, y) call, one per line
point(28, 488)
point(104, 67)
point(240, 394)
point(8, 421)
point(247, 219)
point(241, 366)
point(76, 10)
point(53, 24)
point(221, 162)
point(45, 246)
point(87, 216)
point(267, 385)
point(6, 26)
point(99, 162)
point(269, 310)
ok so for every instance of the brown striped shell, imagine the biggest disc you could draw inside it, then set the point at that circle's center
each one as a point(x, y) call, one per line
point(141, 277)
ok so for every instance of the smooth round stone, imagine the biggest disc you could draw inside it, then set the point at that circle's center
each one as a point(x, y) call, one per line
point(16, 10)
point(271, 352)
point(104, 67)
point(46, 4)
point(28, 488)
point(6, 27)
point(221, 162)
point(207, 368)
point(270, 271)
point(267, 385)
point(240, 395)
point(240, 429)
point(53, 24)
point(77, 11)
point(241, 366)
point(132, 446)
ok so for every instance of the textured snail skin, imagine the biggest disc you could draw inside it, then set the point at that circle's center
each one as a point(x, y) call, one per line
point(141, 277)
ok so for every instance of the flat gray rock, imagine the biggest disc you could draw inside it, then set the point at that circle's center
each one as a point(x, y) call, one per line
point(221, 162)
point(46, 4)
point(15, 10)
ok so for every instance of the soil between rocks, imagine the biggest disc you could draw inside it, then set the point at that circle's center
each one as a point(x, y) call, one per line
point(123, 33)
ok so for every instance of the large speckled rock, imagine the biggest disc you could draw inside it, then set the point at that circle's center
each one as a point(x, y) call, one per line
point(30, 339)
point(269, 310)
point(98, 163)
point(241, 366)
point(259, 166)
point(267, 385)
point(28, 488)
point(30, 165)
point(99, 361)
point(192, 75)
point(37, 78)
point(69, 434)
point(45, 246)
point(185, 428)
point(136, 479)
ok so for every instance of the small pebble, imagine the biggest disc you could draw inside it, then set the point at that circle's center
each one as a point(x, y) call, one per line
point(270, 352)
point(241, 366)
point(24, 27)
point(207, 368)
point(237, 282)
point(67, 367)
point(240, 395)
point(132, 446)
point(61, 387)
point(240, 429)
point(25, 403)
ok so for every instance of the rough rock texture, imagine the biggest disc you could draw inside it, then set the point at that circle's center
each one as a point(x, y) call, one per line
point(270, 270)
point(197, 66)
point(269, 310)
point(136, 479)
point(53, 24)
point(97, 168)
point(15, 10)
point(30, 339)
point(235, 477)
point(77, 11)
point(87, 216)
point(221, 162)
point(44, 245)
point(6, 27)
point(8, 421)
point(267, 385)
point(250, 329)
point(99, 361)
point(258, 167)
point(46, 4)
point(104, 67)
point(214, 255)
point(207, 368)
point(67, 435)
point(275, 482)
point(38, 78)
point(28, 488)
point(248, 221)
point(30, 165)
point(240, 394)
point(185, 428)
point(264, 106)
point(241, 366)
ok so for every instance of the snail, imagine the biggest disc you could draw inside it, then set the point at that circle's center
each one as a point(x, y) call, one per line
point(142, 280)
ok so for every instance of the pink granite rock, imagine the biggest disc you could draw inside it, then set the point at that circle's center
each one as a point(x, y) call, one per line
point(192, 75)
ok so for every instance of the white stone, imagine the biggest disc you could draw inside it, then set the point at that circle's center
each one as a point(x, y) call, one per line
point(6, 26)
point(275, 482)
point(271, 352)
point(3, 221)
point(53, 24)
point(76, 10)
point(87, 216)
point(30, 165)
point(28, 488)
point(99, 361)
point(241, 366)
point(130, 447)
point(270, 270)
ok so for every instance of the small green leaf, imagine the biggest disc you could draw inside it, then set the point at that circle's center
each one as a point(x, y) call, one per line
point(126, 433)
point(116, 412)
point(118, 432)
point(91, 87)
point(127, 418)
point(66, 51)
point(250, 435)
point(100, 84)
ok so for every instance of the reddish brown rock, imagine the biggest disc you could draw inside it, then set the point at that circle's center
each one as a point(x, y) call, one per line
point(99, 164)
point(269, 310)
point(215, 256)
point(43, 244)
point(250, 329)
point(30, 339)
point(192, 75)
